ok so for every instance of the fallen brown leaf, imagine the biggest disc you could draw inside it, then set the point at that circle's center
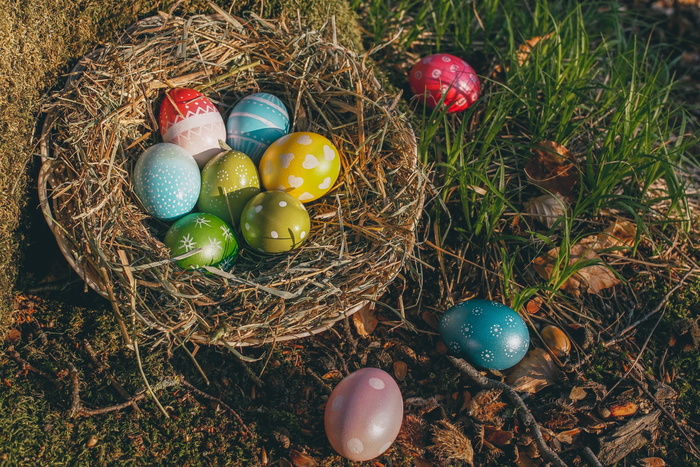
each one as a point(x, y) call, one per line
point(534, 372)
point(553, 169)
point(525, 49)
point(365, 320)
point(496, 436)
point(651, 462)
point(625, 409)
point(619, 236)
point(591, 279)
point(300, 459)
point(547, 209)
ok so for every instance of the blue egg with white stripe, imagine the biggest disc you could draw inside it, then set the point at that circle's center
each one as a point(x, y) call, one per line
point(256, 122)
point(166, 179)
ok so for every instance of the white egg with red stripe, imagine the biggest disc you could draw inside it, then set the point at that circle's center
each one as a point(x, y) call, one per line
point(190, 120)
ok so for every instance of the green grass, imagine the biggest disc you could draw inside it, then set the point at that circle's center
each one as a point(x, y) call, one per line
point(595, 85)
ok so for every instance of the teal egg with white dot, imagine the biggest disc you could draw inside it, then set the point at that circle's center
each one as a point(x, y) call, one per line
point(255, 122)
point(229, 180)
point(166, 179)
point(275, 222)
point(486, 333)
point(213, 239)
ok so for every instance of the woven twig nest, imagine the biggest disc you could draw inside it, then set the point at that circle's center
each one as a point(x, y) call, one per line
point(362, 232)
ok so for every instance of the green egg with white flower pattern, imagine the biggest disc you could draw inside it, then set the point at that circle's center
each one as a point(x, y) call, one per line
point(204, 231)
point(275, 222)
point(229, 180)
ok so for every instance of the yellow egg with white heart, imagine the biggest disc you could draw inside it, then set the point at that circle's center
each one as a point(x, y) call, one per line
point(304, 164)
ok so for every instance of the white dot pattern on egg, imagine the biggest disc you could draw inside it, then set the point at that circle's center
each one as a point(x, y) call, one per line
point(488, 334)
point(167, 181)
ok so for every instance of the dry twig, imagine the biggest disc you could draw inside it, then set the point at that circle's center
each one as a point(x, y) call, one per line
point(524, 412)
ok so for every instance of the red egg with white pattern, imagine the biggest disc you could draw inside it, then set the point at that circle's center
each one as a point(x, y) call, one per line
point(191, 120)
point(363, 414)
point(445, 76)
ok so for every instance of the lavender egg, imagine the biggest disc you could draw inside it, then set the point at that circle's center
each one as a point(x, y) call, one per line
point(364, 414)
point(488, 334)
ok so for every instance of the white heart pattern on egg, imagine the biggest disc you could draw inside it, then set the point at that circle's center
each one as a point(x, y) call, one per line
point(258, 208)
point(304, 139)
point(268, 169)
point(310, 162)
point(281, 140)
point(328, 153)
point(326, 183)
point(295, 182)
point(305, 196)
point(286, 159)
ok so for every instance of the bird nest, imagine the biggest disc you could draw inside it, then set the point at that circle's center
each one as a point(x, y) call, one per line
point(363, 231)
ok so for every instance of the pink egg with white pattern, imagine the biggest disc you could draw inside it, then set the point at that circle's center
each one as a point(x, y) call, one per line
point(364, 414)
point(190, 120)
point(445, 77)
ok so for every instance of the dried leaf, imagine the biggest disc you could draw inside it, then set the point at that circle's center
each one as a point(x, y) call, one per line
point(619, 236)
point(300, 459)
point(626, 409)
point(553, 169)
point(651, 462)
point(534, 372)
point(577, 394)
point(364, 320)
point(534, 305)
point(430, 319)
point(556, 340)
point(496, 436)
point(92, 442)
point(400, 370)
point(547, 209)
point(568, 435)
point(525, 49)
point(591, 279)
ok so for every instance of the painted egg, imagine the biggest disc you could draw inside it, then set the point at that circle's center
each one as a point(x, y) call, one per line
point(363, 414)
point(445, 75)
point(274, 222)
point(167, 181)
point(256, 122)
point(205, 231)
point(229, 180)
point(486, 333)
point(304, 164)
point(190, 120)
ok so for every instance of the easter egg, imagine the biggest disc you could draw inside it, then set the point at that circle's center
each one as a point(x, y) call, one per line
point(190, 120)
point(274, 222)
point(256, 122)
point(304, 164)
point(363, 414)
point(486, 333)
point(229, 180)
point(206, 231)
point(167, 181)
point(445, 75)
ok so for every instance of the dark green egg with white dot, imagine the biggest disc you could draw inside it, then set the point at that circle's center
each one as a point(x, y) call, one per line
point(275, 222)
point(229, 180)
point(206, 232)
point(487, 334)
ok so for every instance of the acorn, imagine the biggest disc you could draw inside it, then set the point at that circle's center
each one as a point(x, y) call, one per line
point(556, 340)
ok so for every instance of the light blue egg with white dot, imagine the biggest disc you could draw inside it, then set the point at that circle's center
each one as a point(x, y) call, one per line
point(167, 181)
point(256, 122)
point(488, 334)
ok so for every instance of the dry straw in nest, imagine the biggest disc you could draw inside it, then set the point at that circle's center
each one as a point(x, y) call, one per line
point(97, 126)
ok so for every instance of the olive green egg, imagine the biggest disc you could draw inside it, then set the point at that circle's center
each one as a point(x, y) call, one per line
point(229, 180)
point(275, 222)
point(207, 233)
